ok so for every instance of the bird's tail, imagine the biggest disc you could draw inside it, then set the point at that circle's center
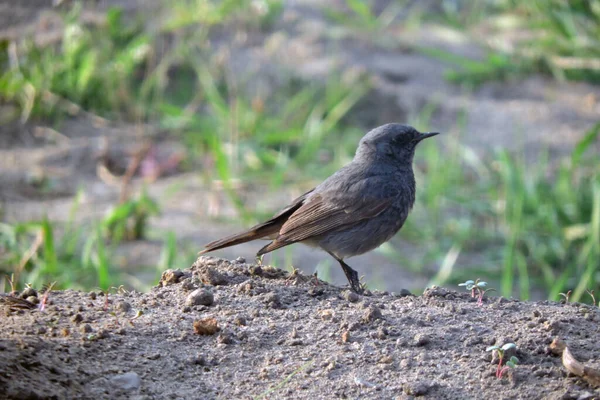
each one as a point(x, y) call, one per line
point(257, 232)
point(268, 229)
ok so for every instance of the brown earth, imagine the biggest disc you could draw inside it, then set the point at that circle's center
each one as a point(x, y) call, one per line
point(234, 330)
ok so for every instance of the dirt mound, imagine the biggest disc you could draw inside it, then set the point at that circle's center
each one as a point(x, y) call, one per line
point(226, 329)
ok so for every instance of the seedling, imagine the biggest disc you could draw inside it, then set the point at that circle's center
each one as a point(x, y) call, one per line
point(44, 301)
point(511, 363)
point(566, 295)
point(119, 290)
point(137, 315)
point(11, 282)
point(477, 289)
point(591, 293)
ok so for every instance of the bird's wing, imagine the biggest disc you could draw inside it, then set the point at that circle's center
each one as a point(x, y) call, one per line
point(262, 230)
point(319, 215)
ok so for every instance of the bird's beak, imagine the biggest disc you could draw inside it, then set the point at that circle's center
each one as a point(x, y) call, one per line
point(426, 135)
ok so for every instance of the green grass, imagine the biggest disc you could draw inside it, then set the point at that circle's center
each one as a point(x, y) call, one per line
point(76, 255)
point(562, 39)
point(533, 227)
point(495, 218)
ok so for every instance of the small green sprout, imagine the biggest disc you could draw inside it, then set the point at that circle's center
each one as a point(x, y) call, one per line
point(566, 295)
point(138, 314)
point(477, 288)
point(511, 363)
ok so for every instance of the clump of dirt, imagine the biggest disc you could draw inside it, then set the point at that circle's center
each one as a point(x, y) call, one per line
point(229, 329)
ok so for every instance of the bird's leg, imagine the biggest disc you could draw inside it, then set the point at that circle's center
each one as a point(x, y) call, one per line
point(351, 275)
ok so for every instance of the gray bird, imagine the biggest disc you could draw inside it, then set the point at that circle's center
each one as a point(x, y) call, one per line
point(353, 211)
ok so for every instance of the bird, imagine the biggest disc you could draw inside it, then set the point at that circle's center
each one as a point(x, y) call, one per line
point(355, 210)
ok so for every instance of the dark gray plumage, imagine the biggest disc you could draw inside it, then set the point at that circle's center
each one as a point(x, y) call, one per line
point(353, 211)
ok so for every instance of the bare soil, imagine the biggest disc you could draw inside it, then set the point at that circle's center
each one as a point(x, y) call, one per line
point(224, 329)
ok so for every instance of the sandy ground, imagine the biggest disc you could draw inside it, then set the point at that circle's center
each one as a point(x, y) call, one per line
point(223, 330)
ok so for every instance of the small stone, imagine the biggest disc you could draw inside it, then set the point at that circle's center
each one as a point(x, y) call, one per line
point(240, 260)
point(188, 285)
point(225, 338)
point(200, 297)
point(386, 360)
point(87, 328)
point(421, 339)
point(206, 326)
point(371, 314)
point(294, 333)
point(198, 360)
point(93, 295)
point(240, 321)
point(28, 292)
point(272, 299)
point(381, 333)
point(77, 318)
point(128, 381)
point(435, 291)
point(33, 299)
point(211, 276)
point(351, 296)
point(64, 332)
point(123, 306)
point(316, 291)
point(102, 334)
point(416, 388)
point(326, 315)
point(345, 336)
point(171, 277)
point(42, 330)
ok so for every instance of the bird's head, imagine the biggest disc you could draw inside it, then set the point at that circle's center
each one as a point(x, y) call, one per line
point(392, 142)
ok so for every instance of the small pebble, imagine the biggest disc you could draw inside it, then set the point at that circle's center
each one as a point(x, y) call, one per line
point(200, 296)
point(123, 306)
point(170, 277)
point(128, 381)
point(371, 314)
point(87, 328)
point(28, 292)
point(225, 338)
point(351, 296)
point(416, 388)
point(77, 318)
point(421, 339)
point(316, 291)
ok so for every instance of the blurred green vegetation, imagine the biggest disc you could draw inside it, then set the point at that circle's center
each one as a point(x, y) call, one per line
point(528, 228)
point(555, 37)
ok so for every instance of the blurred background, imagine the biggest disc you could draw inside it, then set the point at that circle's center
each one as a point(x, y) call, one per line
point(132, 132)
